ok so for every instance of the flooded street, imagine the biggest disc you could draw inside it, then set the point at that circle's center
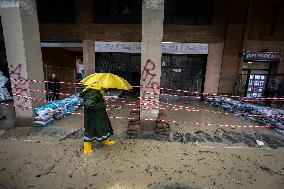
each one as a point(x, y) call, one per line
point(137, 164)
point(199, 156)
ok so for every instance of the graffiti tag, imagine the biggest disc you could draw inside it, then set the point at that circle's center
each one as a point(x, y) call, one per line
point(148, 77)
point(18, 81)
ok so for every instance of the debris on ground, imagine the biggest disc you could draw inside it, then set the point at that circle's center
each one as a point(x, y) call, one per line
point(77, 134)
point(3, 117)
point(262, 114)
point(49, 113)
point(251, 140)
point(260, 143)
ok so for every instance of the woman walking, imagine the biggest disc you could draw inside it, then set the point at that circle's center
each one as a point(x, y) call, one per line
point(96, 121)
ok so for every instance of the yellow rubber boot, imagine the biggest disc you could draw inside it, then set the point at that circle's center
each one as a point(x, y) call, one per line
point(109, 142)
point(87, 147)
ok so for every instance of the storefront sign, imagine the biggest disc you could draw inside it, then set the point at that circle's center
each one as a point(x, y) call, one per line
point(185, 48)
point(169, 48)
point(125, 47)
point(261, 56)
point(135, 47)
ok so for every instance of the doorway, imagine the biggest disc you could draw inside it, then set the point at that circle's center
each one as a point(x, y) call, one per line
point(258, 78)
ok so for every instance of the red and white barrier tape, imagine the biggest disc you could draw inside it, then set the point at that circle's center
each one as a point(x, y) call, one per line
point(173, 121)
point(31, 98)
point(37, 90)
point(246, 99)
point(16, 105)
point(163, 107)
point(42, 81)
point(157, 106)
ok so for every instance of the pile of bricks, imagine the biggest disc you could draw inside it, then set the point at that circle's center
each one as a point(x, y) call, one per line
point(162, 124)
point(133, 128)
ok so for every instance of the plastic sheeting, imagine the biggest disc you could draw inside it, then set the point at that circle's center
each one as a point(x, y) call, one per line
point(261, 114)
point(49, 113)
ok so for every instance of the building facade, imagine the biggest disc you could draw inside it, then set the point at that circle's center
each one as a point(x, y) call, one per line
point(203, 42)
point(227, 27)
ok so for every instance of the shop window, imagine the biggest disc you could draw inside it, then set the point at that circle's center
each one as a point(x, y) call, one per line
point(118, 11)
point(54, 11)
point(188, 12)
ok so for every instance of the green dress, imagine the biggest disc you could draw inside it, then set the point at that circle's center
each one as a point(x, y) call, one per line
point(96, 121)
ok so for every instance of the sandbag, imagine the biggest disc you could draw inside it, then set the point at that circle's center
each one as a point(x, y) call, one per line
point(259, 113)
point(56, 110)
point(44, 123)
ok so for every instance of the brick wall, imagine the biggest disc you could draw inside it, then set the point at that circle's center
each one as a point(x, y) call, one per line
point(265, 21)
point(84, 28)
point(231, 25)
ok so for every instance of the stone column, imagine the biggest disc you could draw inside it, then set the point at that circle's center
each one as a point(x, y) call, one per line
point(151, 53)
point(231, 59)
point(88, 57)
point(22, 42)
point(213, 68)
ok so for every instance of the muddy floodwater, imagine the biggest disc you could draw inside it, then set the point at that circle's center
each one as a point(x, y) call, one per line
point(199, 153)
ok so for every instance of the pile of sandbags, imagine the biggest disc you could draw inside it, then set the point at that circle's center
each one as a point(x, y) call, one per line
point(49, 113)
point(4, 94)
point(259, 113)
point(133, 128)
point(162, 124)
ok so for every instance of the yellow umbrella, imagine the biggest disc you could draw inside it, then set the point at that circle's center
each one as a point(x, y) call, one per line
point(107, 80)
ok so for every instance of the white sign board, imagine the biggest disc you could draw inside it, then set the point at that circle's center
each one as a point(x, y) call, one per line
point(185, 48)
point(169, 48)
point(135, 47)
point(126, 47)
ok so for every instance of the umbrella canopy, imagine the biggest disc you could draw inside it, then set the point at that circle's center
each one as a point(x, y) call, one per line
point(107, 80)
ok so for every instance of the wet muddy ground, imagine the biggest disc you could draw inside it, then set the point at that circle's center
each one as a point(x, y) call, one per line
point(193, 156)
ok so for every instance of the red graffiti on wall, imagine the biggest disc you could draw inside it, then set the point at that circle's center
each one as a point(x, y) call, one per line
point(148, 67)
point(18, 82)
point(148, 75)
